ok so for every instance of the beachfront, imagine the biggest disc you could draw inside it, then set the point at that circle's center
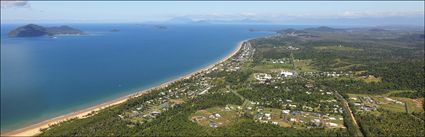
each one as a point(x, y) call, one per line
point(35, 128)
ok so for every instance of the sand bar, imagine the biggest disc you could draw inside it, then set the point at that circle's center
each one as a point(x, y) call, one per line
point(34, 129)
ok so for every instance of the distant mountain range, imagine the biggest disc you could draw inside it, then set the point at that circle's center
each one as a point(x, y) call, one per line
point(338, 21)
point(188, 20)
point(32, 30)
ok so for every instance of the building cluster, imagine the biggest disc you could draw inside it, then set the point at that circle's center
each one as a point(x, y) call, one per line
point(367, 103)
point(279, 61)
point(364, 103)
point(328, 74)
point(246, 53)
point(265, 77)
point(169, 96)
point(298, 118)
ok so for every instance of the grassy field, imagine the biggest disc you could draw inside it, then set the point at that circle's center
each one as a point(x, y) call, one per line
point(267, 67)
point(208, 116)
point(389, 93)
point(337, 48)
point(305, 66)
point(383, 102)
point(368, 79)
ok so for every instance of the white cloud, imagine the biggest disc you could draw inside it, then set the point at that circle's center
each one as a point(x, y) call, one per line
point(352, 14)
point(14, 4)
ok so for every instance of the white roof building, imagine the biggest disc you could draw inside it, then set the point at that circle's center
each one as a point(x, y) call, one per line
point(262, 76)
point(333, 124)
point(286, 74)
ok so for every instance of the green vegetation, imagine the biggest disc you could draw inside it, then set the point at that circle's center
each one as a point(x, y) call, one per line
point(312, 82)
point(390, 124)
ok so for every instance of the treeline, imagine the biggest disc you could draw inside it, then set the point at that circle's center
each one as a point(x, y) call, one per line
point(404, 75)
point(390, 124)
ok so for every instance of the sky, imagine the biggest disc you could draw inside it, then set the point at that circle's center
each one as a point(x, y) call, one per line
point(303, 12)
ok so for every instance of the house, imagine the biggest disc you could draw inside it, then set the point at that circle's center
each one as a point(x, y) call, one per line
point(333, 124)
point(262, 76)
point(140, 108)
point(122, 117)
point(357, 104)
point(217, 115)
point(317, 114)
point(315, 120)
point(286, 74)
point(295, 112)
point(367, 108)
point(227, 108)
point(214, 125)
point(286, 111)
point(275, 123)
point(155, 113)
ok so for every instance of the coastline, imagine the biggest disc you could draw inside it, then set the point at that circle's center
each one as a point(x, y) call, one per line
point(34, 129)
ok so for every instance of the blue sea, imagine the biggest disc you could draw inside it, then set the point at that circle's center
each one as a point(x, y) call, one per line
point(44, 77)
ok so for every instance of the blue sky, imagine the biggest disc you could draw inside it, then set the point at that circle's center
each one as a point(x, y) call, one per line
point(143, 11)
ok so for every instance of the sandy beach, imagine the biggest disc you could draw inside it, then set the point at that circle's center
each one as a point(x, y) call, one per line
point(34, 129)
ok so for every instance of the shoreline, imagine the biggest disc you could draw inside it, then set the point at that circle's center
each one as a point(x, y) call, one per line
point(34, 129)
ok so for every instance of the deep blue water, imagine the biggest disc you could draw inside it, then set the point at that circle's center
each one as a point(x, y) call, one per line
point(44, 77)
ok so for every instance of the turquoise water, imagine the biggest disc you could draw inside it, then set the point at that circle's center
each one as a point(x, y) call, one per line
point(45, 77)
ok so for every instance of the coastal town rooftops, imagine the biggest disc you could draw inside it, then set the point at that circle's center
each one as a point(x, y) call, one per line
point(262, 76)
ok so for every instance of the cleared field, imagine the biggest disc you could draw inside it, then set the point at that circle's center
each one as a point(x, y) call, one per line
point(215, 116)
point(305, 66)
point(303, 119)
point(366, 79)
point(337, 48)
point(266, 67)
point(394, 104)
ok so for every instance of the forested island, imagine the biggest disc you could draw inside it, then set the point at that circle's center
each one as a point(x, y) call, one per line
point(33, 30)
point(311, 82)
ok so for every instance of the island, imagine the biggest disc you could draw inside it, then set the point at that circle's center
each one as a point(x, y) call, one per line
point(160, 27)
point(114, 30)
point(33, 30)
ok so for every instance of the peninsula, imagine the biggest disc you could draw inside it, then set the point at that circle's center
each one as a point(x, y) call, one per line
point(33, 30)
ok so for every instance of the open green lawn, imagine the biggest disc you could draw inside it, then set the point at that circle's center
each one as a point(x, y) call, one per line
point(227, 117)
point(305, 66)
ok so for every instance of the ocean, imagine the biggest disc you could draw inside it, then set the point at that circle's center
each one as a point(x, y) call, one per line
point(44, 77)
